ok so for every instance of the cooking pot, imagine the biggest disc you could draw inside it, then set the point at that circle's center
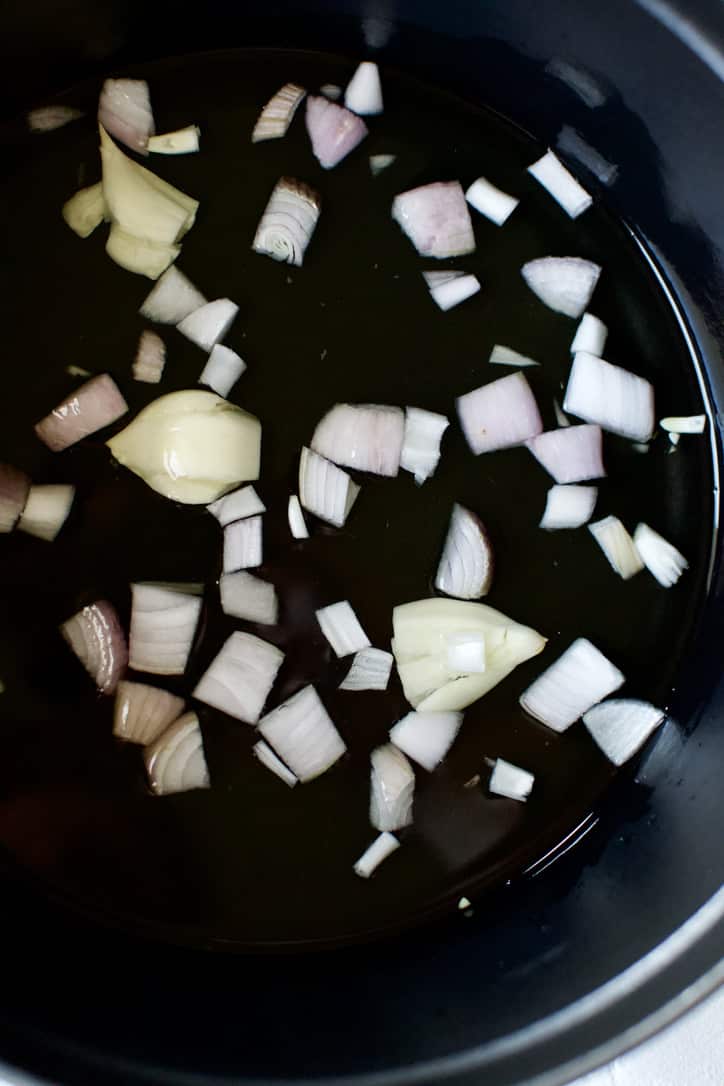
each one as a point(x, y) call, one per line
point(622, 927)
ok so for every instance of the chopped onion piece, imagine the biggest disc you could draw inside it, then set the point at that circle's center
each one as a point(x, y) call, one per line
point(499, 415)
point(568, 507)
point(240, 676)
point(563, 283)
point(436, 219)
point(124, 110)
point(621, 726)
point(14, 490)
point(613, 397)
point(248, 597)
point(617, 545)
point(46, 510)
point(660, 557)
point(370, 670)
point(324, 489)
point(143, 712)
point(421, 630)
point(301, 731)
point(439, 278)
point(333, 130)
point(331, 90)
point(150, 358)
point(274, 120)
point(48, 118)
point(190, 446)
point(297, 523)
point(491, 202)
point(510, 781)
point(467, 562)
point(171, 299)
point(139, 255)
point(684, 424)
point(578, 679)
point(382, 847)
point(95, 636)
point(465, 654)
point(289, 220)
point(209, 324)
point(185, 141)
point(571, 454)
point(420, 452)
point(342, 628)
point(243, 544)
point(392, 789)
point(367, 437)
point(222, 370)
point(550, 172)
point(378, 163)
point(454, 291)
point(364, 90)
point(237, 505)
point(506, 356)
point(268, 758)
point(85, 210)
point(94, 405)
point(426, 737)
point(591, 336)
point(163, 623)
point(176, 761)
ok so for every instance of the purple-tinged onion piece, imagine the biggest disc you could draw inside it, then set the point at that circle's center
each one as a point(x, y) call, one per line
point(333, 130)
point(572, 454)
point(14, 488)
point(94, 405)
point(176, 761)
point(467, 562)
point(96, 637)
point(124, 110)
point(367, 437)
point(150, 358)
point(436, 219)
point(499, 415)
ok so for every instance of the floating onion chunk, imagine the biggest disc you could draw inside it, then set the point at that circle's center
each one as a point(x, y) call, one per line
point(436, 219)
point(576, 681)
point(506, 356)
point(324, 489)
point(621, 726)
point(490, 201)
point(94, 405)
point(97, 639)
point(392, 787)
point(85, 210)
point(243, 546)
point(295, 516)
point(164, 618)
point(364, 90)
point(591, 336)
point(223, 369)
point(451, 291)
point(276, 116)
point(382, 847)
point(499, 415)
point(176, 761)
point(143, 712)
point(367, 437)
point(617, 545)
point(550, 172)
point(248, 597)
point(210, 323)
point(467, 562)
point(370, 670)
point(150, 358)
point(48, 118)
point(237, 505)
point(378, 163)
point(684, 424)
point(426, 737)
point(46, 510)
point(240, 677)
point(124, 111)
point(563, 283)
point(568, 507)
point(614, 398)
point(139, 255)
point(302, 733)
point(172, 298)
point(333, 130)
point(185, 141)
point(660, 557)
point(289, 220)
point(342, 628)
point(269, 759)
point(571, 454)
point(420, 452)
point(510, 781)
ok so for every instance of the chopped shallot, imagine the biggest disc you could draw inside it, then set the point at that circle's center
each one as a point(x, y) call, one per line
point(591, 336)
point(660, 557)
point(491, 202)
point(578, 679)
point(143, 712)
point(176, 761)
point(568, 507)
point(563, 283)
point(297, 523)
point(48, 118)
point(613, 397)
point(342, 628)
point(46, 510)
point(223, 369)
point(617, 545)
point(550, 172)
point(420, 453)
point(185, 141)
point(370, 670)
point(163, 622)
point(269, 759)
point(621, 726)
point(150, 358)
point(510, 781)
point(467, 562)
point(209, 324)
point(274, 120)
point(684, 424)
point(454, 290)
point(14, 489)
point(506, 356)
point(571, 454)
point(364, 90)
point(288, 222)
point(500, 414)
point(367, 437)
point(426, 737)
point(333, 130)
point(324, 489)
point(95, 636)
point(382, 847)
point(172, 299)
point(124, 110)
point(241, 503)
point(239, 678)
point(301, 732)
point(243, 547)
point(436, 219)
point(94, 405)
point(248, 597)
point(392, 787)
point(85, 210)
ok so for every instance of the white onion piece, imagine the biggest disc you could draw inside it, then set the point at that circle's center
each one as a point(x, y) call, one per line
point(392, 787)
point(506, 356)
point(139, 255)
point(439, 278)
point(563, 283)
point(94, 405)
point(617, 545)
point(572, 454)
point(207, 325)
point(241, 503)
point(499, 415)
point(467, 562)
point(150, 358)
point(95, 636)
point(143, 712)
point(85, 210)
point(367, 437)
point(171, 299)
point(223, 369)
point(574, 146)
point(578, 679)
point(302, 733)
point(591, 336)
point(684, 424)
point(510, 781)
point(660, 557)
point(163, 623)
point(436, 219)
point(191, 446)
point(382, 847)
point(616, 399)
point(421, 630)
point(274, 120)
point(364, 90)
point(48, 118)
point(370, 670)
point(621, 726)
point(288, 222)
point(243, 547)
point(465, 654)
point(248, 597)
point(268, 758)
point(568, 507)
point(331, 91)
point(333, 130)
point(550, 172)
point(426, 737)
point(342, 628)
point(14, 490)
point(324, 489)
point(46, 510)
point(124, 110)
point(176, 761)
point(240, 676)
point(491, 202)
point(185, 141)
point(454, 291)
point(378, 163)
point(420, 452)
point(297, 523)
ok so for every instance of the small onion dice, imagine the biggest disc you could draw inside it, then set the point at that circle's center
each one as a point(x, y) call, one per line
point(176, 761)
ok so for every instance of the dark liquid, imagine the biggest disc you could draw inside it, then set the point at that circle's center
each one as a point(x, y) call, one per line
point(251, 862)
